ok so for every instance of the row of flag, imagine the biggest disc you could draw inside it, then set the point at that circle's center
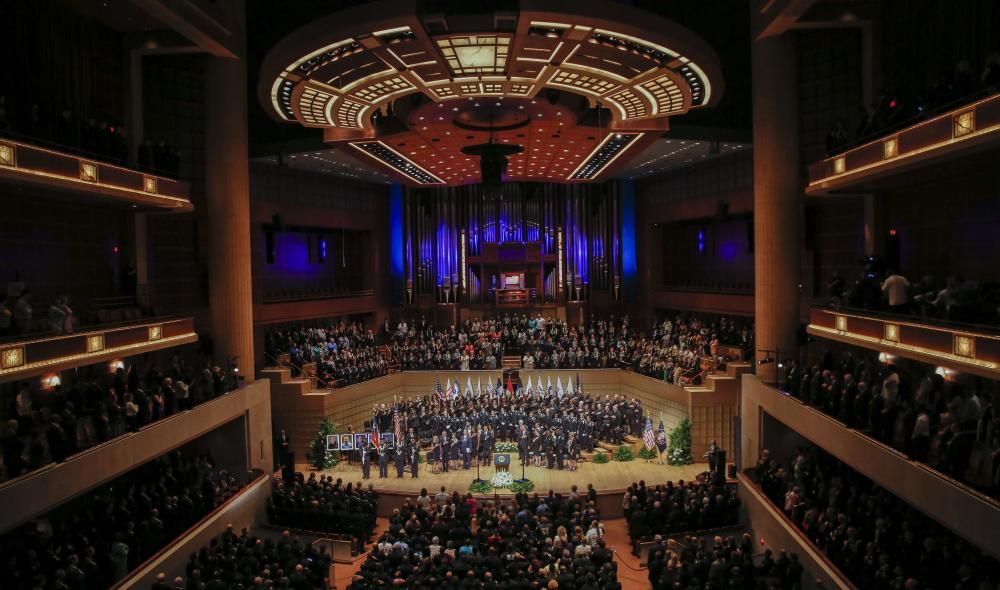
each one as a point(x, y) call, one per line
point(452, 389)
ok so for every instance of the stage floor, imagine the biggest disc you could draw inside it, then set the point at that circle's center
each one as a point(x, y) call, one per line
point(613, 476)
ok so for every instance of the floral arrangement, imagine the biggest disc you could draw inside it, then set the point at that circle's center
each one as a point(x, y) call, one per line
point(480, 486)
point(502, 479)
point(522, 486)
point(318, 456)
point(680, 444)
point(601, 458)
point(623, 453)
point(647, 454)
point(505, 447)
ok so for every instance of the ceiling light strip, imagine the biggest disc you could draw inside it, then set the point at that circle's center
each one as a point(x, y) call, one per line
point(397, 161)
point(613, 146)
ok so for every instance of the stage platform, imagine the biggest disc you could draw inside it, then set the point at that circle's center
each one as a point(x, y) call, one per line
point(609, 479)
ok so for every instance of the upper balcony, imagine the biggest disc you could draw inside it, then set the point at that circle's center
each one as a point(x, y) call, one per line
point(24, 162)
point(958, 133)
point(964, 348)
point(36, 355)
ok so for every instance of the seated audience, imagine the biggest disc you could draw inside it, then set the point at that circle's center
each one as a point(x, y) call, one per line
point(248, 561)
point(877, 540)
point(949, 425)
point(54, 425)
point(324, 506)
point(343, 354)
point(453, 542)
point(96, 539)
point(696, 562)
point(673, 508)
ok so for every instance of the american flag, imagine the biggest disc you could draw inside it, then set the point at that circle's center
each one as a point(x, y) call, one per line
point(397, 426)
point(647, 435)
point(437, 388)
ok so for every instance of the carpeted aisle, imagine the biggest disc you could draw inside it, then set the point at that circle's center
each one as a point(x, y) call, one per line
point(629, 573)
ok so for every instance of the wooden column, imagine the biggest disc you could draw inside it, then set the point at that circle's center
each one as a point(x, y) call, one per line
point(227, 186)
point(777, 202)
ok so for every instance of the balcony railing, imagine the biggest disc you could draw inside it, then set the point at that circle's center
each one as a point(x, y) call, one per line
point(38, 355)
point(960, 130)
point(62, 170)
point(972, 349)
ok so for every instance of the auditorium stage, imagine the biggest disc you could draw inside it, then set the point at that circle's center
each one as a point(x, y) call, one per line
point(609, 479)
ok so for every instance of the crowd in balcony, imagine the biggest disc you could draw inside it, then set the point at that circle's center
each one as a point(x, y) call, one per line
point(722, 562)
point(454, 541)
point(663, 510)
point(895, 110)
point(245, 560)
point(949, 425)
point(475, 344)
point(956, 299)
point(87, 135)
point(17, 316)
point(342, 354)
point(97, 539)
point(323, 505)
point(677, 346)
point(878, 541)
point(20, 315)
point(54, 424)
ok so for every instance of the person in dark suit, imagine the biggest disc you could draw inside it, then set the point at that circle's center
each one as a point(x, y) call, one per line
point(443, 451)
point(400, 458)
point(366, 460)
point(466, 449)
point(414, 460)
point(383, 462)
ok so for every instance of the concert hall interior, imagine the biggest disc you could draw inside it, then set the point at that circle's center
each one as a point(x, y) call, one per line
point(500, 294)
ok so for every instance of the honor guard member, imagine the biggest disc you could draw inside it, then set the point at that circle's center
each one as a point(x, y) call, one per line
point(443, 451)
point(383, 461)
point(414, 460)
point(366, 460)
point(400, 459)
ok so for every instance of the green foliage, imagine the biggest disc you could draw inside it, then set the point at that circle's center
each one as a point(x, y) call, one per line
point(318, 456)
point(505, 447)
point(601, 458)
point(481, 486)
point(647, 454)
point(680, 444)
point(522, 486)
point(623, 453)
